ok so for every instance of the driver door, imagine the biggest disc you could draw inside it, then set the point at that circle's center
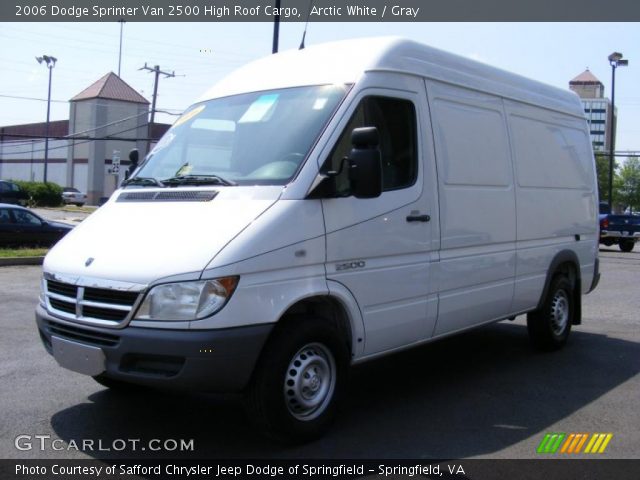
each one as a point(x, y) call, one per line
point(381, 248)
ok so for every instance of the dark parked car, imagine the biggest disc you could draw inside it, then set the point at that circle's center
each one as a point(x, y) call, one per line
point(20, 227)
point(12, 193)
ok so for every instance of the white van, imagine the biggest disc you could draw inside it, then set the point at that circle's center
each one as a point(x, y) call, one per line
point(323, 207)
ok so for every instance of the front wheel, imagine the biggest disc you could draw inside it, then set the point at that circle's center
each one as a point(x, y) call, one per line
point(626, 245)
point(299, 379)
point(549, 326)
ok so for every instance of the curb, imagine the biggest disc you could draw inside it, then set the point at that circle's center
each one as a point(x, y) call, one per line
point(16, 261)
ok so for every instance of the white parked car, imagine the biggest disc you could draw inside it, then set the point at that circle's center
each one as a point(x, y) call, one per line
point(73, 196)
point(323, 207)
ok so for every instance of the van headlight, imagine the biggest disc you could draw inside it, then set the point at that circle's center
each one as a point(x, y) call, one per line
point(185, 301)
point(42, 297)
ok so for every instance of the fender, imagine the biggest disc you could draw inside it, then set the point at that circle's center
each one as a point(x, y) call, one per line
point(343, 295)
point(562, 257)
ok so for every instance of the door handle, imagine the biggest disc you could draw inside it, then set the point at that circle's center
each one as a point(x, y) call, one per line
point(418, 218)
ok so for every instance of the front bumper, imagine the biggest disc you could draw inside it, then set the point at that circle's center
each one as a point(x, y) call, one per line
point(197, 360)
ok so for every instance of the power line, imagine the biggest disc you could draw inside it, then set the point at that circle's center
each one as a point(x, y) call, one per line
point(90, 139)
point(57, 137)
point(71, 136)
point(115, 122)
point(31, 98)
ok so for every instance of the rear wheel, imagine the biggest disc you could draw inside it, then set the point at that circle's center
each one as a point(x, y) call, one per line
point(299, 379)
point(626, 245)
point(549, 326)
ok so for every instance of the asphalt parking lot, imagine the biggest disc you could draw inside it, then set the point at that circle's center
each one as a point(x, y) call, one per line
point(66, 215)
point(485, 394)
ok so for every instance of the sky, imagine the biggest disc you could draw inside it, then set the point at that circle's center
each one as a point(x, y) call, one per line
point(202, 53)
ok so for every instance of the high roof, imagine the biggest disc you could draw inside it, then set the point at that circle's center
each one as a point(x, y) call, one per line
point(347, 61)
point(585, 78)
point(112, 87)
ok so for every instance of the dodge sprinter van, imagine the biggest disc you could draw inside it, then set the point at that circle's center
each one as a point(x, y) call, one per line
point(320, 208)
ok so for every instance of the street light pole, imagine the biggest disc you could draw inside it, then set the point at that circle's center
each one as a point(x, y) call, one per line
point(50, 62)
point(122, 22)
point(615, 60)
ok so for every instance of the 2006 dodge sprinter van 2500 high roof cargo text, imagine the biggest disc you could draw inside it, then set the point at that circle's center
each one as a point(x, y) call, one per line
point(323, 207)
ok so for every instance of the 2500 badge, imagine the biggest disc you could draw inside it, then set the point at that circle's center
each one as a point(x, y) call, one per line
point(350, 265)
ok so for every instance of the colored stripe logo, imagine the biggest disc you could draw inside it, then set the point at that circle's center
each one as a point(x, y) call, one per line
point(574, 443)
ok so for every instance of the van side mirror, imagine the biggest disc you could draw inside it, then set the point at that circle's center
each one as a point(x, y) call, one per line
point(365, 163)
point(133, 156)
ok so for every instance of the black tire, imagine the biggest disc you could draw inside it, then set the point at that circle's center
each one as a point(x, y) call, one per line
point(299, 380)
point(549, 326)
point(626, 245)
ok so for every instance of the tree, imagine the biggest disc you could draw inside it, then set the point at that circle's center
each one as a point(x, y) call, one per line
point(602, 168)
point(627, 184)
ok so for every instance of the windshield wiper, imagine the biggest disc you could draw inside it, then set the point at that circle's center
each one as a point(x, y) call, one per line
point(143, 181)
point(198, 180)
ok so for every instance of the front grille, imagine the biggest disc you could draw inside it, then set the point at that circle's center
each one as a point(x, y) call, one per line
point(105, 313)
point(63, 306)
point(103, 306)
point(80, 334)
point(110, 296)
point(62, 288)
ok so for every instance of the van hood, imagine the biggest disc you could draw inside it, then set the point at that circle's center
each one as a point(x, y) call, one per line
point(142, 241)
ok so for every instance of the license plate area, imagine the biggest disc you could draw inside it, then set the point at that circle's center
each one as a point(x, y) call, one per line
point(78, 357)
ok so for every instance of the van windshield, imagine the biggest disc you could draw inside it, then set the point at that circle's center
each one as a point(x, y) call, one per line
point(258, 138)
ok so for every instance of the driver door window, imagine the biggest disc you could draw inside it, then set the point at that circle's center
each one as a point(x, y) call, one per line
point(395, 120)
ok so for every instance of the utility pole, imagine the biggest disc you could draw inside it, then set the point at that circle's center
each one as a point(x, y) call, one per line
point(158, 72)
point(122, 22)
point(276, 28)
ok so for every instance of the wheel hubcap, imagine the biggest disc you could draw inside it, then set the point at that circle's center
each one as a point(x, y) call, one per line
point(559, 312)
point(310, 381)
